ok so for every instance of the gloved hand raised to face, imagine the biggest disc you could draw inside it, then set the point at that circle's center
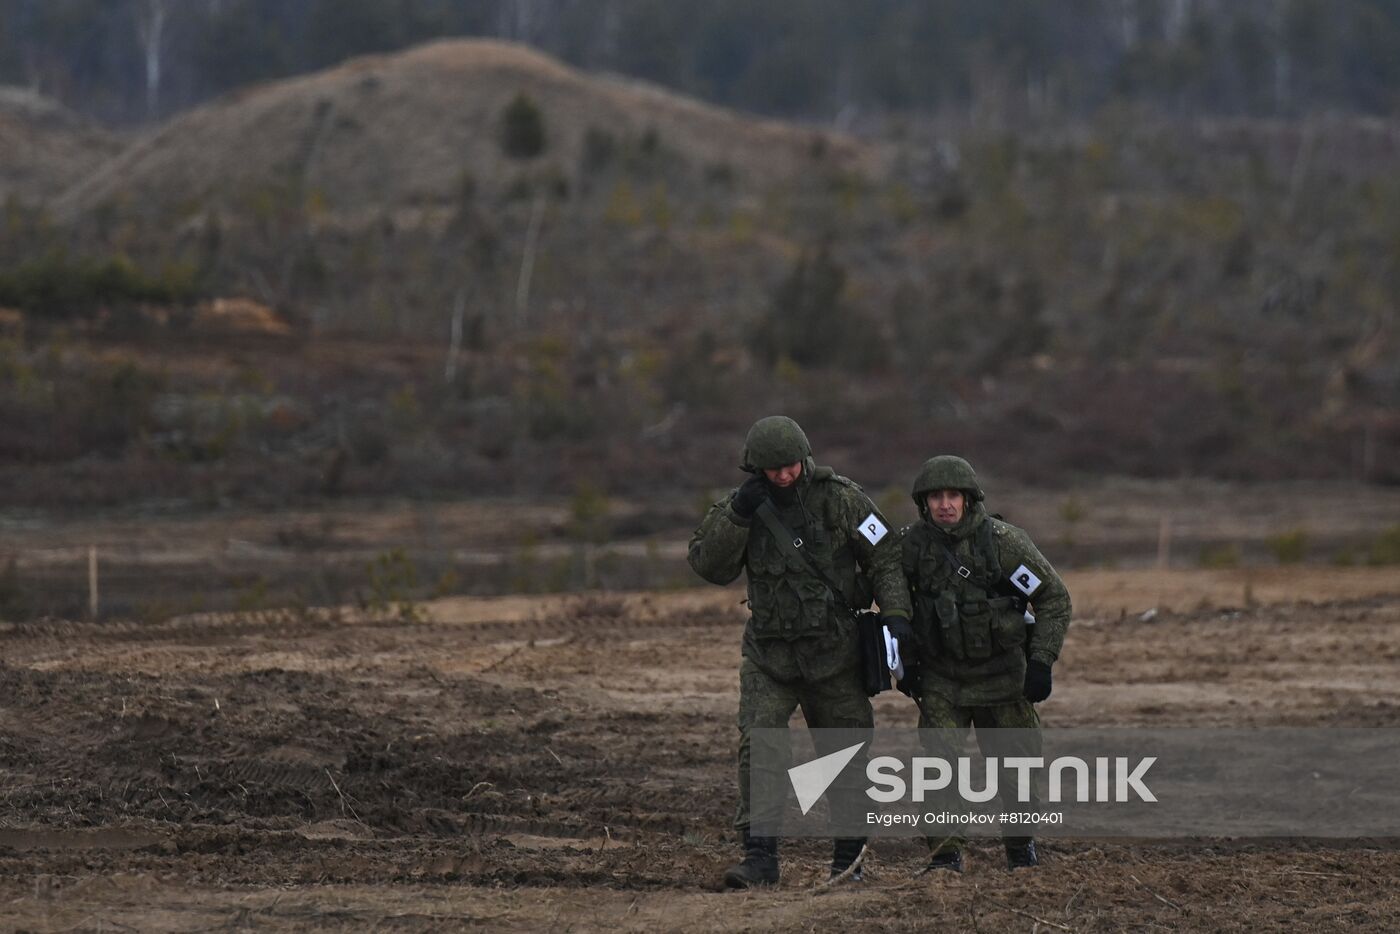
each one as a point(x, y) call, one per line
point(748, 497)
point(1037, 686)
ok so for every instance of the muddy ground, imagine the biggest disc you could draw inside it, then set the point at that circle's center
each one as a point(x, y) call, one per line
point(565, 763)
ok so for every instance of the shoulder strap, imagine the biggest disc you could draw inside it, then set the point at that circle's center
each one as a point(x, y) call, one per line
point(792, 547)
point(985, 543)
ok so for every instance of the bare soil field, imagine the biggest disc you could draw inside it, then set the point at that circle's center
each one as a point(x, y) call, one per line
point(566, 763)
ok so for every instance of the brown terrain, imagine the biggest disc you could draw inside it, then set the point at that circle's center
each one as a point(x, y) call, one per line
point(565, 763)
point(335, 755)
point(341, 134)
point(44, 147)
point(164, 559)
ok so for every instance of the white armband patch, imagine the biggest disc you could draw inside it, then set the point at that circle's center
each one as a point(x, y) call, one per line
point(1024, 580)
point(873, 529)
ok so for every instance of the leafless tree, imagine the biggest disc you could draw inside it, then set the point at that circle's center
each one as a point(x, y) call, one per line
point(1128, 23)
point(150, 27)
point(1283, 62)
point(520, 20)
point(1178, 18)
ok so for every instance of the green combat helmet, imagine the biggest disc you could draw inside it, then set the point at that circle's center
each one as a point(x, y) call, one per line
point(945, 472)
point(774, 442)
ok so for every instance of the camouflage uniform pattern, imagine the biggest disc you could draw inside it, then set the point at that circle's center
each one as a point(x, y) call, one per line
point(943, 727)
point(838, 702)
point(800, 647)
point(973, 640)
point(972, 644)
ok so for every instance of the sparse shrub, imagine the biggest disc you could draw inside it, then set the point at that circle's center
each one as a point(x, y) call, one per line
point(522, 128)
point(114, 407)
point(1386, 548)
point(1220, 556)
point(719, 173)
point(525, 565)
point(1348, 557)
point(466, 188)
point(14, 604)
point(809, 322)
point(557, 184)
point(952, 203)
point(448, 582)
point(901, 204)
point(588, 514)
point(622, 206)
point(659, 207)
point(599, 151)
point(251, 598)
point(1289, 547)
point(1072, 510)
point(551, 409)
point(392, 580)
point(57, 287)
point(405, 408)
point(368, 441)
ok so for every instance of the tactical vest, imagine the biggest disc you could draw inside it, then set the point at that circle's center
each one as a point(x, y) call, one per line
point(962, 606)
point(787, 599)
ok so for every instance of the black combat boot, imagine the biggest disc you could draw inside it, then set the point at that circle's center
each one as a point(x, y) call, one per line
point(759, 865)
point(949, 860)
point(843, 853)
point(1021, 855)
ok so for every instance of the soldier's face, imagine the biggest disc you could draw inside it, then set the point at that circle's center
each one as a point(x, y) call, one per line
point(783, 477)
point(946, 506)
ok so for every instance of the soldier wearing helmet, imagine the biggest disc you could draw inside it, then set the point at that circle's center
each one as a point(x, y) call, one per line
point(971, 579)
point(800, 646)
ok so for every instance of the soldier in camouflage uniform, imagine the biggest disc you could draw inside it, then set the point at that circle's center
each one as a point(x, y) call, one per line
point(800, 645)
point(971, 577)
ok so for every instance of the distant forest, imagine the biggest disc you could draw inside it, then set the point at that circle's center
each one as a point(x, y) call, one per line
point(838, 61)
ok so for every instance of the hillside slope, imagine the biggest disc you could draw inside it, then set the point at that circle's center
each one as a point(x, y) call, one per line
point(44, 147)
point(409, 128)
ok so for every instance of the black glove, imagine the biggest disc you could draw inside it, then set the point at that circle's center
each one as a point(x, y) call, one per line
point(749, 497)
point(900, 629)
point(908, 653)
point(1037, 681)
point(912, 684)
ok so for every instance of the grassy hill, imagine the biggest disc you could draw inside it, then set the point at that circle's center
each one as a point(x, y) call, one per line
point(45, 148)
point(410, 129)
point(611, 290)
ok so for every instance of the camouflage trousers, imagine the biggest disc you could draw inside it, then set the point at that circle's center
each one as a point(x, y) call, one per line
point(766, 703)
point(944, 727)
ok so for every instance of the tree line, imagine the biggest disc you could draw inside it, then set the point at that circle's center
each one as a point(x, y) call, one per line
point(129, 61)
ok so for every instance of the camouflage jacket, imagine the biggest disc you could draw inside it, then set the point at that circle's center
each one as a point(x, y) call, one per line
point(796, 629)
point(969, 618)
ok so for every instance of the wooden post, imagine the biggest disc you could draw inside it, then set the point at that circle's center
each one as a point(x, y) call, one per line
point(92, 582)
point(1368, 452)
point(1164, 543)
point(454, 345)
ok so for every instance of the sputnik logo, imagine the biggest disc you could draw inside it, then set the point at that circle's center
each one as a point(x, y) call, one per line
point(810, 780)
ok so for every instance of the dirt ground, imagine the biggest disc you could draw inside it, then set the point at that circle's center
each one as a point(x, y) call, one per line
point(565, 763)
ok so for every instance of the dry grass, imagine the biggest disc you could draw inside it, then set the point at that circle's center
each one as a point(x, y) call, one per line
point(341, 133)
point(44, 147)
